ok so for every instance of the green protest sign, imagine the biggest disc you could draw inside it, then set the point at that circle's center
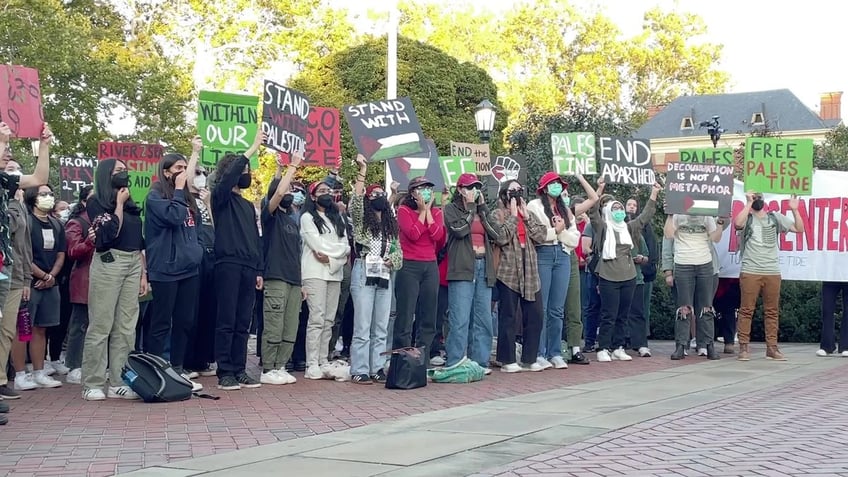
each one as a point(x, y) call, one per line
point(717, 155)
point(454, 166)
point(574, 153)
point(227, 123)
point(780, 166)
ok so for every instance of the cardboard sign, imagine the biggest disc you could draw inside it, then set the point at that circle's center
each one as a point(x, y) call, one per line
point(505, 168)
point(227, 123)
point(626, 161)
point(781, 166)
point(425, 164)
point(142, 162)
point(387, 129)
point(716, 155)
point(478, 152)
point(285, 118)
point(574, 153)
point(20, 101)
point(699, 189)
point(323, 140)
point(75, 173)
point(454, 166)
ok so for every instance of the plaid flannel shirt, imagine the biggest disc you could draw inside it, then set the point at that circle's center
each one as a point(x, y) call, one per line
point(518, 269)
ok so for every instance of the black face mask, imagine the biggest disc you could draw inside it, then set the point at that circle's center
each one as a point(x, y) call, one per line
point(121, 180)
point(244, 181)
point(515, 193)
point(287, 201)
point(380, 204)
point(758, 204)
point(324, 201)
point(630, 216)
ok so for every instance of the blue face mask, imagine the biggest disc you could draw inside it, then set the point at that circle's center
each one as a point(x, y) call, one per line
point(426, 194)
point(618, 216)
point(555, 189)
point(298, 198)
point(567, 201)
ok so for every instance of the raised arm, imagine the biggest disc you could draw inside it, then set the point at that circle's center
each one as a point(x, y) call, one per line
point(42, 167)
point(285, 182)
point(359, 185)
point(741, 218)
point(798, 225)
point(592, 196)
point(196, 148)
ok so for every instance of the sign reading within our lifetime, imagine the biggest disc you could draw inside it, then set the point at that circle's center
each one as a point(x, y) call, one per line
point(386, 129)
point(227, 124)
point(626, 161)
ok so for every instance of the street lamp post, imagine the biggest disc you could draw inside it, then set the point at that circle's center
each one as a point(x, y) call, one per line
point(484, 116)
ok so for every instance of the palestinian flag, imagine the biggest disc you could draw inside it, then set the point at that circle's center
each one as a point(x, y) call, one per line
point(706, 207)
point(400, 145)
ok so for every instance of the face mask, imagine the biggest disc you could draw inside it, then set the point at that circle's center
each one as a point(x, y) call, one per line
point(199, 182)
point(515, 194)
point(324, 201)
point(121, 180)
point(287, 201)
point(298, 198)
point(567, 201)
point(244, 181)
point(758, 204)
point(380, 204)
point(16, 173)
point(65, 215)
point(45, 203)
point(426, 194)
point(555, 189)
point(618, 216)
point(630, 216)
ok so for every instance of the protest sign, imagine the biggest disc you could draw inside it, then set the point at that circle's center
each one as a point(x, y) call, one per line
point(478, 152)
point(454, 166)
point(386, 129)
point(782, 166)
point(227, 124)
point(699, 189)
point(323, 140)
point(20, 101)
point(716, 155)
point(505, 168)
point(75, 173)
point(817, 254)
point(142, 162)
point(285, 118)
point(424, 164)
point(574, 153)
point(626, 161)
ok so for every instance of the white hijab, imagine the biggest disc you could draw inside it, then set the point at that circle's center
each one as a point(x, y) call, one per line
point(610, 242)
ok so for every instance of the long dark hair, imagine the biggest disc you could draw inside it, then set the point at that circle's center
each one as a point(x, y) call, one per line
point(79, 208)
point(543, 196)
point(272, 189)
point(387, 224)
point(104, 193)
point(166, 187)
point(31, 195)
point(503, 194)
point(332, 213)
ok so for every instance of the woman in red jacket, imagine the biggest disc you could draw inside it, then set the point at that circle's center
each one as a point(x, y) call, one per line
point(80, 251)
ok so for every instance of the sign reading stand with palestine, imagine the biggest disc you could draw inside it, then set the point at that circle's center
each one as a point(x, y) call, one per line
point(699, 189)
point(574, 153)
point(142, 162)
point(20, 101)
point(780, 166)
point(227, 123)
point(386, 129)
point(626, 161)
point(285, 118)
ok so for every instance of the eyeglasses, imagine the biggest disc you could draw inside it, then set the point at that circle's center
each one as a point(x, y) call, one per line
point(474, 187)
point(377, 195)
point(45, 194)
point(422, 189)
point(322, 191)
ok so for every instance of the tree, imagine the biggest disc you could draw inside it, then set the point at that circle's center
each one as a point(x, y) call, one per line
point(832, 155)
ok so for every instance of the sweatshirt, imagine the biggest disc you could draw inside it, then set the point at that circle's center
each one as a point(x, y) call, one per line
point(170, 230)
point(237, 238)
point(420, 242)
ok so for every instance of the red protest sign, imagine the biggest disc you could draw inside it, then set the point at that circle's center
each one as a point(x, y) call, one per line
point(323, 139)
point(20, 101)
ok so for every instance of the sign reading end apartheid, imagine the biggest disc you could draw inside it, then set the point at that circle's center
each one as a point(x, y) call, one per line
point(285, 118)
point(386, 129)
point(716, 155)
point(142, 162)
point(75, 173)
point(227, 124)
point(323, 140)
point(479, 153)
point(574, 153)
point(20, 101)
point(781, 166)
point(699, 189)
point(626, 161)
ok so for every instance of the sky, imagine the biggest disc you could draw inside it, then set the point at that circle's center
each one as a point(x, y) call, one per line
point(766, 45)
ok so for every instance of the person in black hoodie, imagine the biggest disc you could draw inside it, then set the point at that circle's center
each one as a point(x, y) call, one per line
point(238, 267)
point(173, 257)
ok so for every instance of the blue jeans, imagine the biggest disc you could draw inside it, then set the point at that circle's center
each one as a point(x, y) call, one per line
point(371, 308)
point(591, 306)
point(554, 273)
point(470, 305)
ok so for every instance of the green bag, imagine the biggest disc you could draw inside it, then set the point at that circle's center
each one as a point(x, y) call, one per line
point(465, 371)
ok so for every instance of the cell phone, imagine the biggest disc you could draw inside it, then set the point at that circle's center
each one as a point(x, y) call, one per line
point(107, 257)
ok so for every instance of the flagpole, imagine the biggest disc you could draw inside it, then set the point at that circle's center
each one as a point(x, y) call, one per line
point(391, 66)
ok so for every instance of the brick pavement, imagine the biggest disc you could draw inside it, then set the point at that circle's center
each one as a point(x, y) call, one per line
point(54, 432)
point(797, 429)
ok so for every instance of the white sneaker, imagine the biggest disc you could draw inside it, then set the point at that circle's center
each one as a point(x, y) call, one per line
point(845, 354)
point(192, 375)
point(49, 369)
point(535, 368)
point(59, 367)
point(822, 353)
point(545, 364)
point(289, 379)
point(74, 376)
point(313, 372)
point(272, 377)
point(437, 361)
point(645, 352)
point(487, 371)
point(693, 343)
point(511, 368)
point(25, 382)
point(195, 386)
point(93, 395)
point(621, 355)
point(121, 392)
point(702, 351)
point(604, 356)
point(558, 363)
point(43, 380)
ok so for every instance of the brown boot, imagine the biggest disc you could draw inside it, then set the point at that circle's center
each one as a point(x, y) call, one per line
point(773, 353)
point(728, 348)
point(743, 353)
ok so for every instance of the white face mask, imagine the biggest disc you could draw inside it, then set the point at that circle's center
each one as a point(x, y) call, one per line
point(16, 173)
point(199, 182)
point(45, 203)
point(65, 215)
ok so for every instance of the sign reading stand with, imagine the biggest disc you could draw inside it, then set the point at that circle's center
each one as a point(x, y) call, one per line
point(285, 118)
point(386, 129)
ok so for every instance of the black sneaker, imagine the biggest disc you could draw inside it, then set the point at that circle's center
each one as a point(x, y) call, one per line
point(361, 379)
point(3, 420)
point(247, 382)
point(6, 392)
point(380, 377)
point(4, 408)
point(228, 383)
point(578, 358)
point(289, 366)
point(590, 349)
point(300, 366)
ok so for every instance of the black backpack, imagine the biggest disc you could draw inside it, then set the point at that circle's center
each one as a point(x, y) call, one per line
point(154, 380)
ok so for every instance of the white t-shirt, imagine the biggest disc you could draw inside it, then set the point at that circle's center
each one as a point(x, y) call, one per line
point(692, 241)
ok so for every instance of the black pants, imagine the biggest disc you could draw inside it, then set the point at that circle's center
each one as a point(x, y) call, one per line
point(299, 353)
point(615, 306)
point(200, 351)
point(830, 291)
point(509, 302)
point(344, 296)
point(416, 293)
point(441, 314)
point(636, 319)
point(236, 287)
point(726, 306)
point(142, 326)
point(56, 334)
point(174, 312)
